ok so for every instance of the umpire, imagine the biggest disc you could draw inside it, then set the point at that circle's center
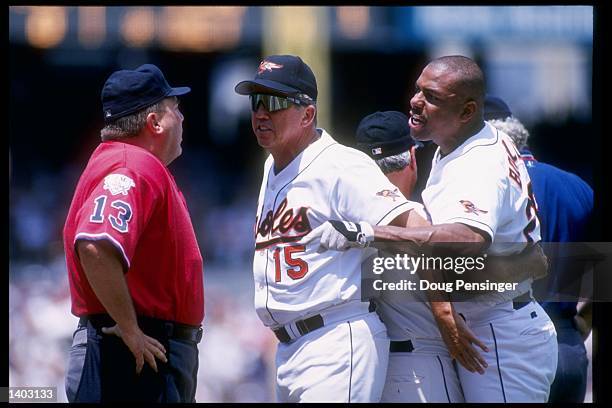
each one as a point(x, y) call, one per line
point(133, 262)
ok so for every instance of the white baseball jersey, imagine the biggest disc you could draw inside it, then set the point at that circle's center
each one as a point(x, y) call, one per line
point(427, 373)
point(407, 314)
point(325, 181)
point(484, 183)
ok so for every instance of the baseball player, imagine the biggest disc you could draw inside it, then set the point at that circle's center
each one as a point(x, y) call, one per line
point(478, 192)
point(565, 204)
point(333, 347)
point(420, 366)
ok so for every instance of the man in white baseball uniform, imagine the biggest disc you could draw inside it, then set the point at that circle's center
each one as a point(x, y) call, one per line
point(420, 366)
point(333, 346)
point(478, 192)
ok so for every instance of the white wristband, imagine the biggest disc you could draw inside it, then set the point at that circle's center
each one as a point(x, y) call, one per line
point(367, 230)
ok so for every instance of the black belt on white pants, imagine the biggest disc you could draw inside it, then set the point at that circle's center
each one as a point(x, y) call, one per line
point(401, 347)
point(308, 325)
point(521, 301)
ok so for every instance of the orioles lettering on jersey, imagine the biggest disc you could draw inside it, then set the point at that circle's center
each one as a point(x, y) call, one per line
point(284, 220)
point(326, 181)
point(513, 170)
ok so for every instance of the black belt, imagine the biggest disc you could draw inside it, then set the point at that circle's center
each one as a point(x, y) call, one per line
point(307, 325)
point(521, 301)
point(150, 326)
point(401, 347)
point(304, 326)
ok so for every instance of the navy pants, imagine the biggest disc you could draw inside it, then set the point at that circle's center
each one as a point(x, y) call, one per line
point(571, 377)
point(101, 368)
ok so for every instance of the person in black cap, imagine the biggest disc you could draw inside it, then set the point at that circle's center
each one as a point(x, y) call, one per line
point(565, 206)
point(385, 137)
point(285, 88)
point(495, 108)
point(333, 346)
point(134, 266)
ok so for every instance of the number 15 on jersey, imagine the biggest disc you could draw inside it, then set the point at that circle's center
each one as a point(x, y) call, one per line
point(288, 258)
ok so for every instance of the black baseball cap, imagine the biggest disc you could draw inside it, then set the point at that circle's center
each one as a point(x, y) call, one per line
point(128, 91)
point(496, 108)
point(281, 74)
point(383, 134)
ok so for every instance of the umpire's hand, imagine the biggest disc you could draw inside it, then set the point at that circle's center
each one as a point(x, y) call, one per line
point(142, 346)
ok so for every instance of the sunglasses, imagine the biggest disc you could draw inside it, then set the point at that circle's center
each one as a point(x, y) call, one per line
point(273, 103)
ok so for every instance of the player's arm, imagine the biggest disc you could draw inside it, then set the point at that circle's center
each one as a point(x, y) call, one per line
point(407, 228)
point(460, 341)
point(455, 333)
point(418, 232)
point(531, 263)
point(340, 235)
point(411, 227)
point(104, 271)
point(458, 337)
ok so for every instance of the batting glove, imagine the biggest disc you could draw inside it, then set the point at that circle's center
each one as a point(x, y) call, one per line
point(341, 235)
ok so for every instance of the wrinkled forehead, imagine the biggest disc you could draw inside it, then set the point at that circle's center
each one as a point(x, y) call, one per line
point(440, 73)
point(439, 78)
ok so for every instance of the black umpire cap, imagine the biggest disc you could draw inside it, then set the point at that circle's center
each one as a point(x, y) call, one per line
point(383, 134)
point(496, 108)
point(128, 91)
point(281, 74)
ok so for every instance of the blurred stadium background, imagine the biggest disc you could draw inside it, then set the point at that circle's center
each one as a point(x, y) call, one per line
point(538, 58)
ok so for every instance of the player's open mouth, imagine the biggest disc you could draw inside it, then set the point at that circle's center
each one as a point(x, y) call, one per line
point(261, 128)
point(416, 121)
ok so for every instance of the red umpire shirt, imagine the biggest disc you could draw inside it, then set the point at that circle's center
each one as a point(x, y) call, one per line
point(128, 197)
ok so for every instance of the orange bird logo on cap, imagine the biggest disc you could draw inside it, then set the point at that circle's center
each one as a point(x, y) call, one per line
point(267, 66)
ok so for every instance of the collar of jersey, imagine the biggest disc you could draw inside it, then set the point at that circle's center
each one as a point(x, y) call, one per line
point(302, 160)
point(486, 136)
